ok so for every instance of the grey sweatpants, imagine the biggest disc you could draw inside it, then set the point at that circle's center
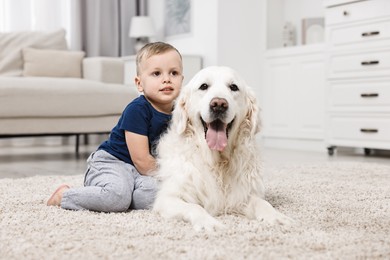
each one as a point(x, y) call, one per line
point(111, 185)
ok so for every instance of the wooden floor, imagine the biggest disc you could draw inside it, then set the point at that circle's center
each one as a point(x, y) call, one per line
point(29, 160)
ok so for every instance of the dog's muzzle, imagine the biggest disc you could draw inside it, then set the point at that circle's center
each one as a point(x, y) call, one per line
point(218, 108)
point(216, 131)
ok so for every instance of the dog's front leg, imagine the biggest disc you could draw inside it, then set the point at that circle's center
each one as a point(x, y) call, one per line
point(172, 207)
point(264, 211)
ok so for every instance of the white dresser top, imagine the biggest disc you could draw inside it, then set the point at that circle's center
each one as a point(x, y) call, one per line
point(330, 3)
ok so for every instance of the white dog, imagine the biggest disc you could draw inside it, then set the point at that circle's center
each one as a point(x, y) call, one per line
point(208, 160)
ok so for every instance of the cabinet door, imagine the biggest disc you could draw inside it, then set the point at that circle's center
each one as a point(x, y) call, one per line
point(310, 98)
point(277, 98)
point(294, 102)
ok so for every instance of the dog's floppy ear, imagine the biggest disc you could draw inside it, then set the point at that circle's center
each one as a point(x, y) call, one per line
point(180, 113)
point(253, 113)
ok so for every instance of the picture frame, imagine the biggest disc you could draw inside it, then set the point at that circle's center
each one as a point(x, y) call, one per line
point(313, 30)
point(177, 18)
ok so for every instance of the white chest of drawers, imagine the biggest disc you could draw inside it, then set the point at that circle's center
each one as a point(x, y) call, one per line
point(358, 75)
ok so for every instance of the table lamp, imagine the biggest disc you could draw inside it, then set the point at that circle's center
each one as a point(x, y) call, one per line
point(141, 28)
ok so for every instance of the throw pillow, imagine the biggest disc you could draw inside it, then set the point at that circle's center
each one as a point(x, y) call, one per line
point(11, 45)
point(52, 63)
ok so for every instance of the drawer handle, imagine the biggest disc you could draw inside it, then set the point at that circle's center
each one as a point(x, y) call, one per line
point(368, 34)
point(371, 62)
point(345, 13)
point(368, 95)
point(369, 130)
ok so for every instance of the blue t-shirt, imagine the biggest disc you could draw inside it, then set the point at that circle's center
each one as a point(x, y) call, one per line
point(138, 117)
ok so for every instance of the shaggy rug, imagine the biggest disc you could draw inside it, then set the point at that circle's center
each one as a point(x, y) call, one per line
point(342, 211)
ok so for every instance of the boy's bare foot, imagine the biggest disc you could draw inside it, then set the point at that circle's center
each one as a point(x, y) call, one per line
point(56, 197)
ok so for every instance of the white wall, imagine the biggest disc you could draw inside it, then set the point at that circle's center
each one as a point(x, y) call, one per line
point(275, 23)
point(202, 39)
point(241, 41)
point(224, 32)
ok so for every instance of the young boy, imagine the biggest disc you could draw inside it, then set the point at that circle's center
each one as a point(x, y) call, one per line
point(119, 174)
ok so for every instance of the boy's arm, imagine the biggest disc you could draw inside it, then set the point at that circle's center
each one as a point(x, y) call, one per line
point(138, 146)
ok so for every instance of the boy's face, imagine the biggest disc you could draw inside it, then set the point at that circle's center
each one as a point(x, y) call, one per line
point(160, 79)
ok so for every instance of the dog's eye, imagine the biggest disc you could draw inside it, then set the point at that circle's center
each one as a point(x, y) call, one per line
point(233, 87)
point(204, 86)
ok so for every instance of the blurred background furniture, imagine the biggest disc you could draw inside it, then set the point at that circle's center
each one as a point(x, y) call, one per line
point(358, 89)
point(46, 89)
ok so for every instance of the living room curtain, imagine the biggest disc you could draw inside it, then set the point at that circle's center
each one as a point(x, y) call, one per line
point(26, 15)
point(105, 27)
point(99, 27)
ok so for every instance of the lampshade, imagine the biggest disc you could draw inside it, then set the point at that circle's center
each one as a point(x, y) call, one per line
point(141, 26)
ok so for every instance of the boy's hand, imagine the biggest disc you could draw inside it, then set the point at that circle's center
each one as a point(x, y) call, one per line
point(138, 146)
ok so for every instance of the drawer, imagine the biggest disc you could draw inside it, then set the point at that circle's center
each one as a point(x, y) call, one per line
point(357, 64)
point(378, 33)
point(369, 94)
point(361, 128)
point(332, 3)
point(358, 11)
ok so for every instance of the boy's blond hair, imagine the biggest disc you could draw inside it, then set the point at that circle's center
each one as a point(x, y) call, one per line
point(151, 49)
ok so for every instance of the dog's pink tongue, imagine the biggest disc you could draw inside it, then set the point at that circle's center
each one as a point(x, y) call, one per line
point(216, 136)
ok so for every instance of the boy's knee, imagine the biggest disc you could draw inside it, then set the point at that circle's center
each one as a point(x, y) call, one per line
point(117, 201)
point(145, 194)
point(143, 200)
point(148, 184)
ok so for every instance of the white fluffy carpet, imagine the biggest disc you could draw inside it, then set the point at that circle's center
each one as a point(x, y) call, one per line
point(342, 212)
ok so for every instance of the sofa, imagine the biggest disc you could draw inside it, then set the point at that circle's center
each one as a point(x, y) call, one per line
point(47, 89)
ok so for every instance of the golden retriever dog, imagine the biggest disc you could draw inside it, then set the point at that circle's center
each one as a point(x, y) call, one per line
point(208, 159)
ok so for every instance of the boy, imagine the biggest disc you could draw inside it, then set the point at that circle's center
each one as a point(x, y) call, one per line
point(119, 174)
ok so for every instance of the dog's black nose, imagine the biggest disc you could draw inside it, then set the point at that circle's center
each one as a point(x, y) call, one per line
point(219, 105)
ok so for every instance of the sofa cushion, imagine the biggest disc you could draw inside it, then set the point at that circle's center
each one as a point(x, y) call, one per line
point(61, 97)
point(11, 45)
point(52, 63)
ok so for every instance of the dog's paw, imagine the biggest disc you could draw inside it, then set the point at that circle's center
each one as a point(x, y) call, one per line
point(266, 213)
point(283, 219)
point(207, 223)
point(275, 217)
